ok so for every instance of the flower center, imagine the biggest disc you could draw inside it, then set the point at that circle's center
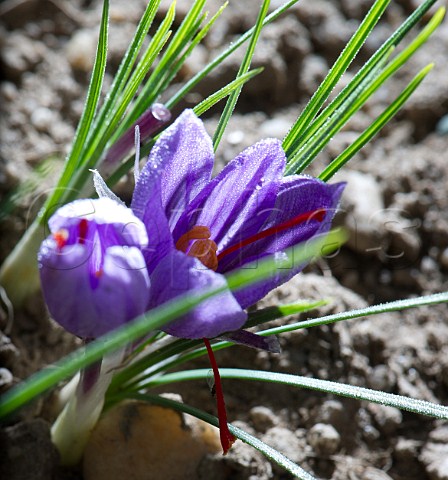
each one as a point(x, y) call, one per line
point(202, 246)
point(197, 242)
point(61, 236)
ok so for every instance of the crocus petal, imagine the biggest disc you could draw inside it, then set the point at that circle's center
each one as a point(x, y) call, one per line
point(116, 221)
point(177, 274)
point(147, 206)
point(238, 200)
point(249, 339)
point(184, 152)
point(298, 194)
point(121, 295)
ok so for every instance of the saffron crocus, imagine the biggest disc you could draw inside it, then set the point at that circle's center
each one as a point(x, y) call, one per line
point(201, 228)
point(92, 270)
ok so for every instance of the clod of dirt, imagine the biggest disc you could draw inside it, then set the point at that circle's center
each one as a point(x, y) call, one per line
point(26, 452)
point(324, 439)
point(158, 442)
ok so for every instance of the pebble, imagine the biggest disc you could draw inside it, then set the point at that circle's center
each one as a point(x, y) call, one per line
point(81, 50)
point(151, 438)
point(276, 127)
point(371, 473)
point(42, 119)
point(362, 203)
point(324, 439)
point(444, 259)
point(6, 379)
point(387, 418)
point(262, 418)
point(434, 457)
point(27, 451)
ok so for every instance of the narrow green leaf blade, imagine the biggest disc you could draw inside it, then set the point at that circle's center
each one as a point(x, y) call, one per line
point(85, 123)
point(244, 67)
point(375, 127)
point(333, 76)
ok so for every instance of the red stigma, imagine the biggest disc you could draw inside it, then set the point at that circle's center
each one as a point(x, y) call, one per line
point(318, 215)
point(60, 237)
point(227, 439)
point(83, 224)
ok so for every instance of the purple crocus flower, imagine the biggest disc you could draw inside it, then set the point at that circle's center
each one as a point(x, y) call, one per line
point(92, 270)
point(200, 228)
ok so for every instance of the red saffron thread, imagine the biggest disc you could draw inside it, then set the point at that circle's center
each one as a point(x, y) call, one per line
point(83, 224)
point(318, 215)
point(227, 439)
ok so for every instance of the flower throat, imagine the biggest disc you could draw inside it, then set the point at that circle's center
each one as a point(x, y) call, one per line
point(205, 249)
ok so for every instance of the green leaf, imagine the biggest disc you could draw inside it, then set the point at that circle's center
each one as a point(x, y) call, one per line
point(359, 393)
point(375, 127)
point(364, 72)
point(85, 123)
point(226, 53)
point(214, 98)
point(333, 76)
point(269, 452)
point(134, 380)
point(244, 67)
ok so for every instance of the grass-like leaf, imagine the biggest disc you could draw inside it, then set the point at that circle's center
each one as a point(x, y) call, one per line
point(365, 71)
point(359, 393)
point(375, 127)
point(134, 380)
point(90, 108)
point(244, 67)
point(224, 92)
point(176, 98)
point(333, 76)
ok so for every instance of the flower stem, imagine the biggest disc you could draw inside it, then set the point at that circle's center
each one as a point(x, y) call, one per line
point(227, 439)
point(71, 430)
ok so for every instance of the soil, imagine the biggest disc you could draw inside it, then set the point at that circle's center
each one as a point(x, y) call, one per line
point(395, 208)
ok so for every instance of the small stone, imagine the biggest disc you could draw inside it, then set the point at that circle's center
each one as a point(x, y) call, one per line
point(324, 439)
point(262, 418)
point(362, 205)
point(387, 418)
point(287, 442)
point(6, 379)
point(42, 119)
point(382, 378)
point(276, 127)
point(435, 459)
point(444, 259)
point(151, 438)
point(371, 473)
point(81, 50)
point(27, 452)
point(331, 412)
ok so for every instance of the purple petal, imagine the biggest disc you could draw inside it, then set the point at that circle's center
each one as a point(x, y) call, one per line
point(249, 339)
point(147, 206)
point(149, 123)
point(239, 200)
point(122, 292)
point(117, 222)
point(297, 195)
point(177, 274)
point(184, 152)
